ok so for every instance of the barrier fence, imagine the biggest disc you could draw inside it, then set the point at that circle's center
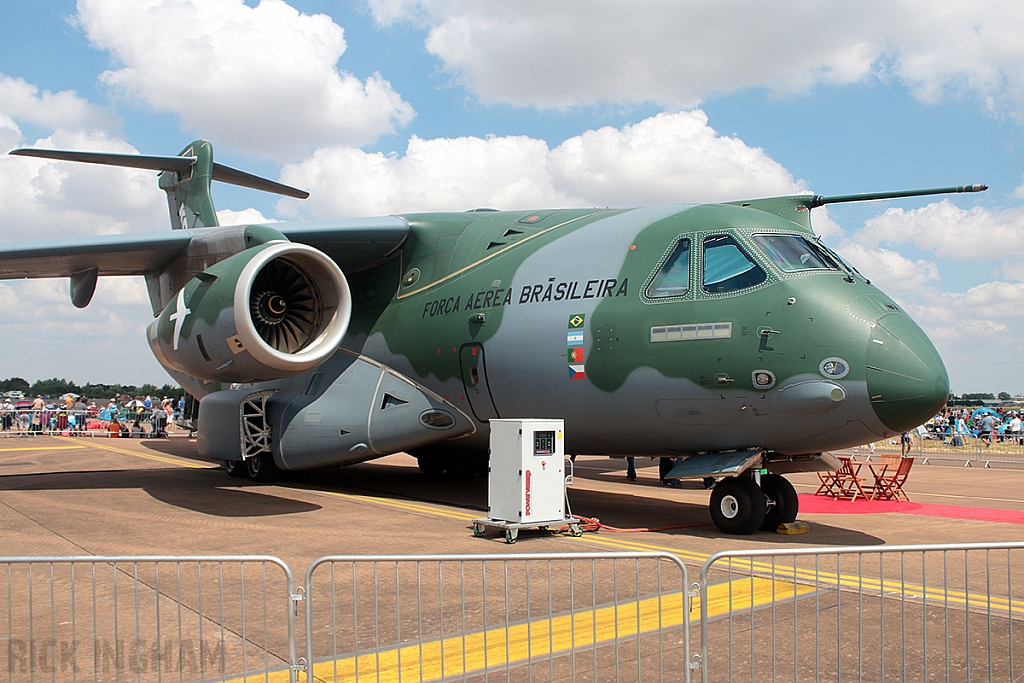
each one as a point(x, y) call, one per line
point(929, 612)
point(146, 618)
point(903, 613)
point(968, 449)
point(599, 617)
point(129, 424)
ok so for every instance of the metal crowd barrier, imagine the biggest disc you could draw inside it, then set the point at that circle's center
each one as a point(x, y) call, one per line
point(27, 423)
point(567, 616)
point(935, 612)
point(926, 612)
point(147, 618)
point(972, 450)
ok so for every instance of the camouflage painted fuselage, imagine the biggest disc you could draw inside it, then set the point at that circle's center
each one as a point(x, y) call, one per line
point(546, 314)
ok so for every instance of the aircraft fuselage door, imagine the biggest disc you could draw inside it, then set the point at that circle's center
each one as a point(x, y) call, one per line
point(474, 379)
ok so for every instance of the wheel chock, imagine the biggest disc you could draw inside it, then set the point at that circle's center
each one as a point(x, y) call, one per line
point(791, 528)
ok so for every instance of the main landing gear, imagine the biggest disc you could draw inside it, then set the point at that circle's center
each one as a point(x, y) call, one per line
point(739, 506)
point(259, 467)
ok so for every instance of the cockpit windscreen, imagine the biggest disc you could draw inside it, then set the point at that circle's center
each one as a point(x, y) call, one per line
point(792, 253)
point(727, 268)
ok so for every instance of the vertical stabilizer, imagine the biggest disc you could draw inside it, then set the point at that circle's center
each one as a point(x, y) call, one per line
point(188, 192)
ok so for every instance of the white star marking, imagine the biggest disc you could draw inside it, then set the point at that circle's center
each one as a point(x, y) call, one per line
point(179, 317)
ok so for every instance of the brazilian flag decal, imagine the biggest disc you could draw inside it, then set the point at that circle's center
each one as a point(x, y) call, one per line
point(574, 340)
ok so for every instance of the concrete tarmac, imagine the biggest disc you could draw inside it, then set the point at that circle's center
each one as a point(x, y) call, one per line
point(66, 496)
point(63, 496)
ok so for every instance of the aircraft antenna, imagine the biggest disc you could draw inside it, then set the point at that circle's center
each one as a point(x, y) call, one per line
point(818, 200)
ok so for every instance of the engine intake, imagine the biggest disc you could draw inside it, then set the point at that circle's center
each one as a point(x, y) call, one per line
point(268, 312)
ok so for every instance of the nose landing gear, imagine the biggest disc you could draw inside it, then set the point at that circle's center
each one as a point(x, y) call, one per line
point(739, 506)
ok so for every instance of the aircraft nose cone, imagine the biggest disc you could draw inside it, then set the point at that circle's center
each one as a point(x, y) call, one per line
point(907, 381)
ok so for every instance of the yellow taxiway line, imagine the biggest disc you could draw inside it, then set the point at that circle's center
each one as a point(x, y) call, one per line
point(181, 462)
point(826, 579)
point(803, 575)
point(42, 448)
point(473, 653)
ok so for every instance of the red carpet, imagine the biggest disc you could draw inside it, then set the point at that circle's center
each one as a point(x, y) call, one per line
point(824, 505)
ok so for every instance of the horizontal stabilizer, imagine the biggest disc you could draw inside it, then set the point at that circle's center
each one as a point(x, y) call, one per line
point(224, 174)
point(233, 176)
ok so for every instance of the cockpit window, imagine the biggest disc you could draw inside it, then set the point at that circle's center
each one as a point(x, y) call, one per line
point(674, 277)
point(792, 253)
point(727, 268)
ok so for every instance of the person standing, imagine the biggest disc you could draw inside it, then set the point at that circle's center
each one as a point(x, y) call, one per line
point(78, 412)
point(37, 414)
point(630, 468)
point(1014, 428)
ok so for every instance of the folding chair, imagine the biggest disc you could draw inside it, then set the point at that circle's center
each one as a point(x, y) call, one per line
point(829, 484)
point(889, 483)
point(849, 480)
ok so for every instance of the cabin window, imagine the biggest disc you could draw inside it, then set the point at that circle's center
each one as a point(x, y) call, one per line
point(792, 253)
point(727, 268)
point(674, 277)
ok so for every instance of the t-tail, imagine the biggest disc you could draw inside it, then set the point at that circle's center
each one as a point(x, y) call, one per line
point(185, 178)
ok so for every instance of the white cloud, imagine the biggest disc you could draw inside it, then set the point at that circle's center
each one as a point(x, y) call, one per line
point(44, 335)
point(667, 158)
point(244, 217)
point(261, 79)
point(951, 232)
point(558, 54)
point(23, 101)
point(889, 270)
point(44, 199)
point(51, 338)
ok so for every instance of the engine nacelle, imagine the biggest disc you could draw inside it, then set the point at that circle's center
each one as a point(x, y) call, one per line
point(271, 311)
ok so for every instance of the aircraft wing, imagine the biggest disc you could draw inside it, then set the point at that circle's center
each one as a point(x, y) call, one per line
point(353, 243)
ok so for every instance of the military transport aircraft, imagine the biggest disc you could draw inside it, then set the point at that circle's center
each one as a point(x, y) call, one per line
point(725, 335)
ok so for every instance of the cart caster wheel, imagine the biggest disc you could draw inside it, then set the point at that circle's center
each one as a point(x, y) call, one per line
point(510, 536)
point(575, 530)
point(478, 530)
point(542, 528)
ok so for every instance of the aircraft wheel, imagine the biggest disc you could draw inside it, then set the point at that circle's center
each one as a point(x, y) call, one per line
point(434, 464)
point(782, 493)
point(235, 468)
point(737, 505)
point(261, 467)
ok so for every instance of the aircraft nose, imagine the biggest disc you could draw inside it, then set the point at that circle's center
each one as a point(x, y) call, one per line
point(907, 381)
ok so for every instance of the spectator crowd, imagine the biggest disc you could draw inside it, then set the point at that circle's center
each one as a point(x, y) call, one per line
point(74, 415)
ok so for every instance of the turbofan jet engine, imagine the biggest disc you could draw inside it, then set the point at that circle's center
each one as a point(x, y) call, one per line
point(268, 312)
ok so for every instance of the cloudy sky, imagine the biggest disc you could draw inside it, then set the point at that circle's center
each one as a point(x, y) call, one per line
point(385, 106)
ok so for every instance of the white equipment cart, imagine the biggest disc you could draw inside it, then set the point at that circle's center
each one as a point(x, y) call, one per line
point(526, 484)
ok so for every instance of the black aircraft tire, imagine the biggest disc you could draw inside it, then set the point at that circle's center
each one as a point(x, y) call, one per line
point(261, 467)
point(737, 505)
point(235, 468)
point(786, 506)
point(433, 464)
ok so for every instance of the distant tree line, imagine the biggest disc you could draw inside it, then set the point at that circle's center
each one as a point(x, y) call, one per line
point(58, 387)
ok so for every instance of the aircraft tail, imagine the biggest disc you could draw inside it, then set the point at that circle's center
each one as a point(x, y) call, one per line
point(185, 178)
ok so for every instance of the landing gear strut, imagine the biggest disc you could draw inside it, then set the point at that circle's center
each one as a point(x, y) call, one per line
point(782, 501)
